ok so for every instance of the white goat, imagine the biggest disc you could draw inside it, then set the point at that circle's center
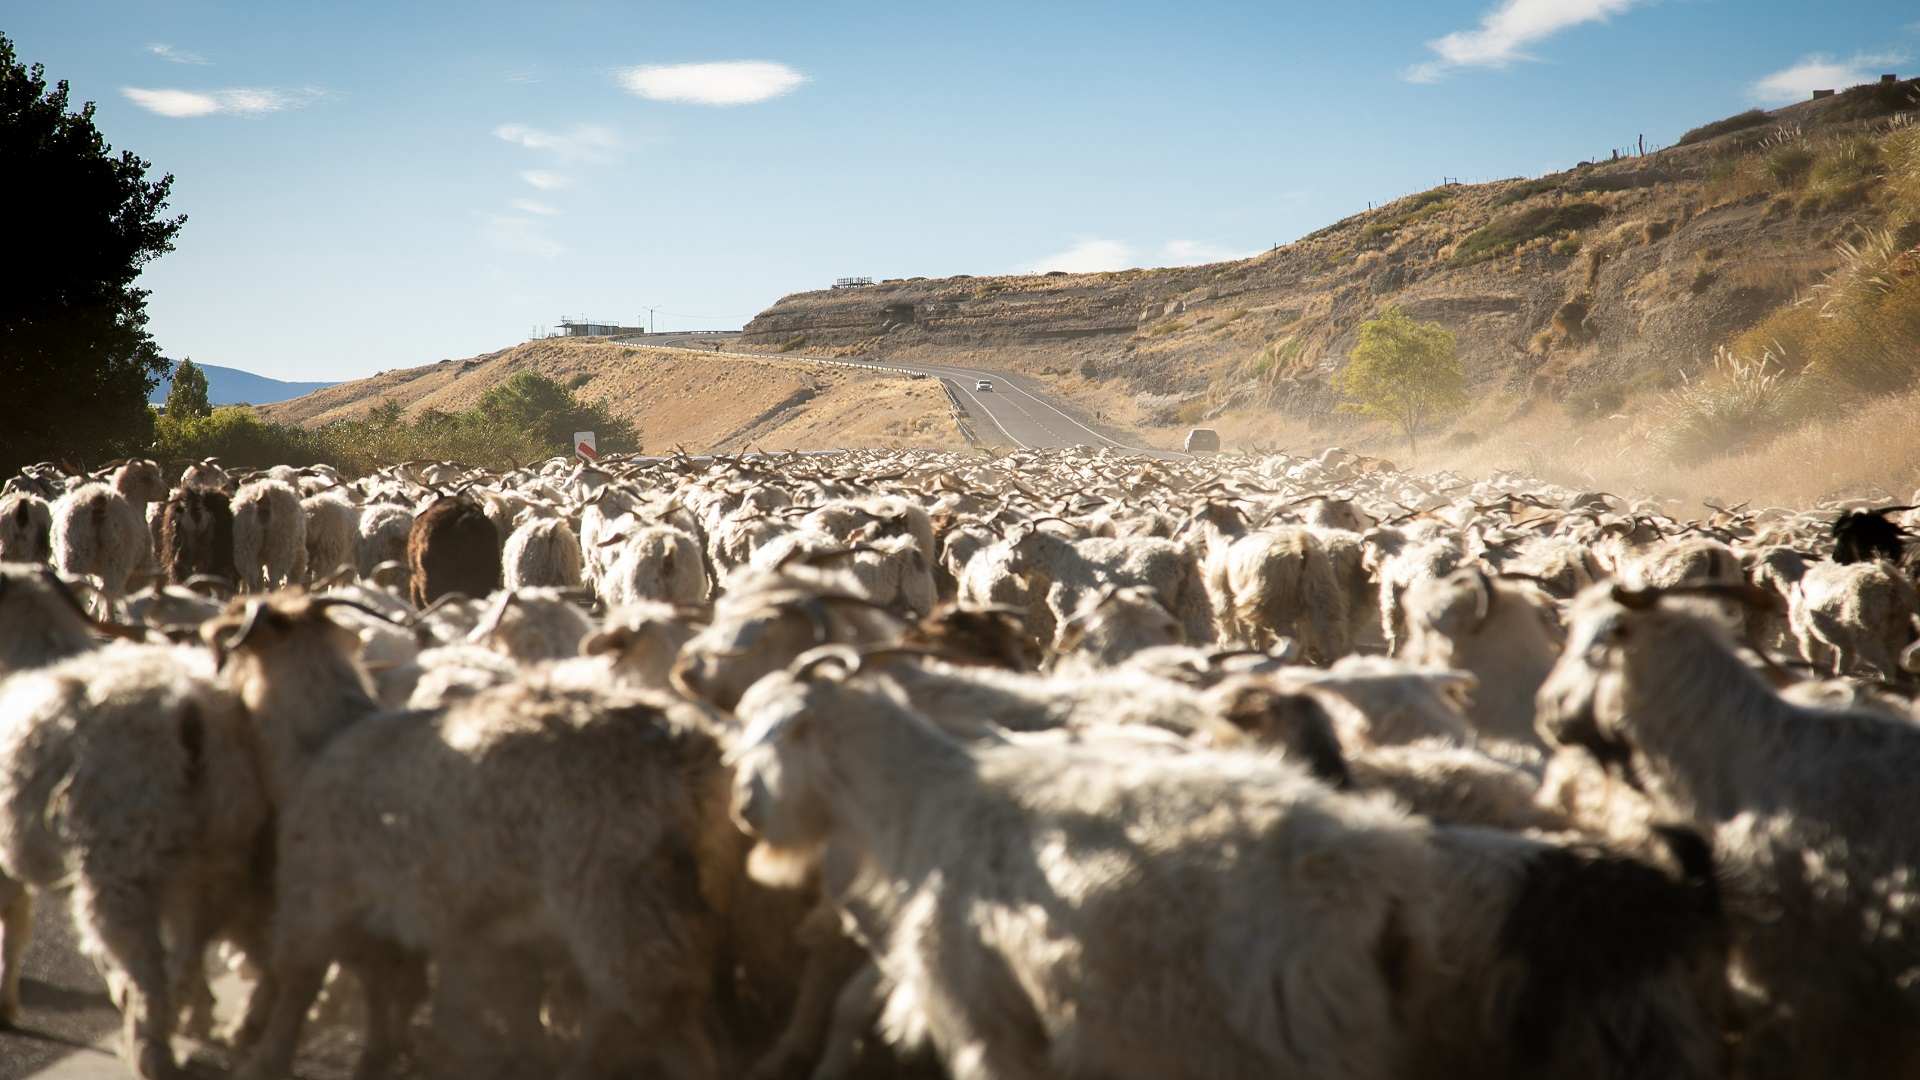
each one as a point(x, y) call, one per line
point(129, 773)
point(332, 534)
point(1506, 632)
point(1857, 613)
point(26, 528)
point(1808, 813)
point(269, 535)
point(631, 908)
point(542, 551)
point(97, 534)
point(1063, 861)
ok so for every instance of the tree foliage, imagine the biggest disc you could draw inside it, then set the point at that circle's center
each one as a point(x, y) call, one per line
point(187, 396)
point(237, 437)
point(525, 419)
point(76, 362)
point(551, 414)
point(1404, 372)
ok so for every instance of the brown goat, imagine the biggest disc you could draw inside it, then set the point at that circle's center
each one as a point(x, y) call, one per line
point(452, 547)
point(196, 536)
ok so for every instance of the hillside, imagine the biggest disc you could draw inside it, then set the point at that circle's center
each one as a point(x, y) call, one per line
point(1755, 288)
point(677, 397)
point(231, 386)
point(1591, 284)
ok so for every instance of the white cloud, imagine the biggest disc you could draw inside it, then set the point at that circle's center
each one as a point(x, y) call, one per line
point(522, 235)
point(240, 101)
point(729, 82)
point(584, 142)
point(533, 206)
point(168, 52)
point(1087, 257)
point(1199, 252)
point(1508, 30)
point(1819, 72)
point(546, 180)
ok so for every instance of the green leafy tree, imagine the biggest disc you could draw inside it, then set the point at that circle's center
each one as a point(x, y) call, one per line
point(236, 436)
point(1404, 372)
point(188, 394)
point(551, 413)
point(76, 362)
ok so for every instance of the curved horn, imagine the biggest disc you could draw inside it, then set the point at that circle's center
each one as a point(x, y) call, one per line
point(325, 602)
point(846, 656)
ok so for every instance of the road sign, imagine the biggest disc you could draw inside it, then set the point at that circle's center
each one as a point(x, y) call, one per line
point(584, 446)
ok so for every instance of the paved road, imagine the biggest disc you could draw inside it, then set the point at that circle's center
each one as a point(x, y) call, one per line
point(1010, 414)
point(69, 1029)
point(64, 1003)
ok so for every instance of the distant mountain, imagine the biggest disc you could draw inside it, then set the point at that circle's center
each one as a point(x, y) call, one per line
point(231, 386)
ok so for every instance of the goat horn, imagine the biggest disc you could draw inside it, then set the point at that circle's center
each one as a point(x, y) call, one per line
point(343, 574)
point(803, 665)
point(325, 602)
point(221, 647)
point(443, 601)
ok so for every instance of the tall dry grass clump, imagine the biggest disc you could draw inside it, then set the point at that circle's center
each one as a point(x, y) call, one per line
point(1857, 332)
point(1735, 404)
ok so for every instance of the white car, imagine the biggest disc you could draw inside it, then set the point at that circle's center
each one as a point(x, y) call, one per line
point(983, 384)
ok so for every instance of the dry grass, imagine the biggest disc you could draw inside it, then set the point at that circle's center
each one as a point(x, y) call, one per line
point(678, 397)
point(1873, 447)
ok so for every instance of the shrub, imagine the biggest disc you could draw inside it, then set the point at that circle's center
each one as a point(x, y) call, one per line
point(1192, 412)
point(1860, 328)
point(1732, 407)
point(1411, 209)
point(1567, 245)
point(1787, 163)
point(527, 418)
point(1740, 122)
point(1171, 326)
point(792, 343)
point(237, 437)
point(1506, 233)
point(1523, 191)
point(1871, 100)
point(1844, 173)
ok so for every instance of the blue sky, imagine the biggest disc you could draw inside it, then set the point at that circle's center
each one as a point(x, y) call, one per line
point(379, 185)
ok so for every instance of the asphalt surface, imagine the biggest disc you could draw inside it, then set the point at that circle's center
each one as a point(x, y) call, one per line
point(1010, 414)
point(70, 1030)
point(63, 1000)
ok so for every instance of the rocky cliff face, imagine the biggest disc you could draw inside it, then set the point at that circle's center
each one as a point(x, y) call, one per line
point(1609, 271)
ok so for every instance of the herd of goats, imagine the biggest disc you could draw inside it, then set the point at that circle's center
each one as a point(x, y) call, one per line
point(1051, 764)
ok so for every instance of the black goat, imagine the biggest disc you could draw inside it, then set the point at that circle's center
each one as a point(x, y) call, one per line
point(1866, 535)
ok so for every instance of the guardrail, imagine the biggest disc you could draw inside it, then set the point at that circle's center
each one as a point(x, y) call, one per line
point(962, 419)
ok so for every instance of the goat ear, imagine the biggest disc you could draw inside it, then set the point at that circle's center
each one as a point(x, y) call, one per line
point(1483, 598)
point(615, 640)
point(1635, 599)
